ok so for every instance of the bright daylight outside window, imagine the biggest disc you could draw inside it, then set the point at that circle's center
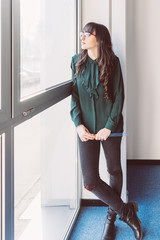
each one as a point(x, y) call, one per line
point(45, 175)
point(46, 44)
point(45, 167)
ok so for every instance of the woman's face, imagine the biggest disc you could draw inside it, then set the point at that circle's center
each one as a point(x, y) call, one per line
point(89, 42)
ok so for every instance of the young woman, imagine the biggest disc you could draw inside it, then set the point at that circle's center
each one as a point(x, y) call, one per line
point(96, 110)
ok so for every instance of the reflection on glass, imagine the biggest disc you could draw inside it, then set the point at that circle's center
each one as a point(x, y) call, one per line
point(46, 43)
point(45, 175)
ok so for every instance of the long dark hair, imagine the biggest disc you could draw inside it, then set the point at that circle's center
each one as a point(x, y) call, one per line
point(106, 58)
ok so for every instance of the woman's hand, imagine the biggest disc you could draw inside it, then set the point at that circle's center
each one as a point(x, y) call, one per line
point(84, 134)
point(103, 134)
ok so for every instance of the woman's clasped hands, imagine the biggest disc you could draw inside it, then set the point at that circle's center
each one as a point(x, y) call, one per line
point(85, 135)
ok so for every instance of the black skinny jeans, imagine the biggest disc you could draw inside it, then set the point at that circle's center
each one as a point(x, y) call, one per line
point(89, 158)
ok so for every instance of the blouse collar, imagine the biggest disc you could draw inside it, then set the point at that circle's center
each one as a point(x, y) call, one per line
point(91, 78)
point(91, 60)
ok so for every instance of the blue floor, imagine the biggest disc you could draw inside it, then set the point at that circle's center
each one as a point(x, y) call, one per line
point(143, 187)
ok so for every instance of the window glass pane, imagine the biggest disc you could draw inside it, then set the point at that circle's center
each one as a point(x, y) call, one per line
point(46, 43)
point(45, 174)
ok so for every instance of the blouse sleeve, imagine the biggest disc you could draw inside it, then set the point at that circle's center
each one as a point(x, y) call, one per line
point(75, 111)
point(118, 93)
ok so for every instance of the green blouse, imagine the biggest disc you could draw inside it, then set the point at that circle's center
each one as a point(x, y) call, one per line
point(88, 105)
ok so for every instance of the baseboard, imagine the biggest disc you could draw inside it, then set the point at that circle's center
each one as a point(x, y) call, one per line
point(143, 162)
point(92, 202)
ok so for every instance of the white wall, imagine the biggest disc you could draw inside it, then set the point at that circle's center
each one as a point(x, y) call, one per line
point(118, 28)
point(142, 68)
point(143, 79)
point(113, 17)
point(95, 11)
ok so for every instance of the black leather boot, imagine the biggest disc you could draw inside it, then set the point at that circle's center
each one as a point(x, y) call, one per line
point(109, 226)
point(130, 217)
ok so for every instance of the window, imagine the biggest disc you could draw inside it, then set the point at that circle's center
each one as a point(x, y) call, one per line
point(46, 44)
point(45, 174)
point(44, 40)
point(35, 102)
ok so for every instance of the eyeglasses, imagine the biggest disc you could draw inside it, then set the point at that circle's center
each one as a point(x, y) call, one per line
point(86, 34)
